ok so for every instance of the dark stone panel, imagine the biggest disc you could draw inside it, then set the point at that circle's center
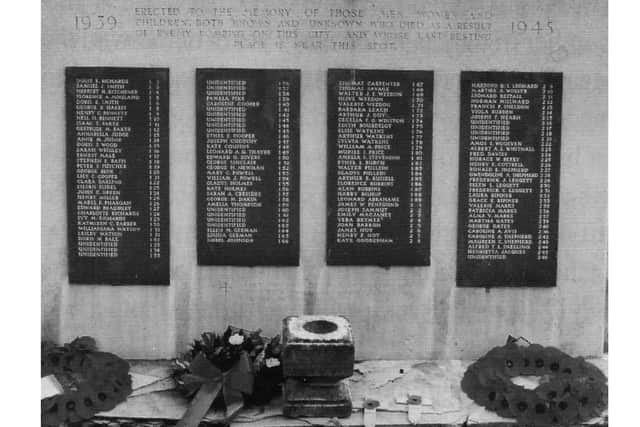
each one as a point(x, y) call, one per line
point(118, 175)
point(248, 149)
point(509, 178)
point(379, 167)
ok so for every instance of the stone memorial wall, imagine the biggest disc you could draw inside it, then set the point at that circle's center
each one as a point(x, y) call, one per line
point(403, 252)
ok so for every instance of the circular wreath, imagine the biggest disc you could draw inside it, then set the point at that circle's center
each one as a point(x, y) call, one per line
point(571, 389)
point(93, 381)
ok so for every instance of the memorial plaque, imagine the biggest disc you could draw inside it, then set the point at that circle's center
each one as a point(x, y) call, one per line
point(379, 167)
point(509, 178)
point(248, 166)
point(118, 175)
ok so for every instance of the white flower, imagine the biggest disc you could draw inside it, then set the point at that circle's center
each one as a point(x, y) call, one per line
point(236, 339)
point(272, 362)
point(182, 364)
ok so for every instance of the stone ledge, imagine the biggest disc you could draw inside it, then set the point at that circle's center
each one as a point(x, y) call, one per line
point(390, 382)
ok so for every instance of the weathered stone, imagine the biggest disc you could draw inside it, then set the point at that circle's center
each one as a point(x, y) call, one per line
point(317, 346)
point(317, 352)
point(298, 390)
point(316, 399)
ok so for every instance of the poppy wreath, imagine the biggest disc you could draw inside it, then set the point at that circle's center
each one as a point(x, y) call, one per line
point(570, 390)
point(93, 381)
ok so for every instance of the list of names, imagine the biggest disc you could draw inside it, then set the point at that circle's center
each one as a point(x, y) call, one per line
point(118, 208)
point(248, 166)
point(510, 140)
point(379, 167)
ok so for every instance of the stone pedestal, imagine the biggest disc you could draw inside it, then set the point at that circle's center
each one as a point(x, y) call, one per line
point(318, 352)
point(312, 399)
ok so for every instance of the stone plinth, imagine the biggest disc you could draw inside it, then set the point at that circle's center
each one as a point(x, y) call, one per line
point(317, 353)
point(317, 346)
point(312, 399)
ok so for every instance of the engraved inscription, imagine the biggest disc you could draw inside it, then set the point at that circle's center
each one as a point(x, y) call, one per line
point(509, 178)
point(117, 126)
point(248, 171)
point(379, 167)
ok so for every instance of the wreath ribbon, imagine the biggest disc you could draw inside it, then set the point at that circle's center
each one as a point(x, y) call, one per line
point(209, 381)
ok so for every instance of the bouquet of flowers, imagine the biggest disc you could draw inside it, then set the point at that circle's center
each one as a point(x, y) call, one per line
point(235, 367)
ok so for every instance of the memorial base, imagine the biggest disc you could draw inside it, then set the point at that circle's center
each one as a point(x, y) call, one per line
point(316, 399)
